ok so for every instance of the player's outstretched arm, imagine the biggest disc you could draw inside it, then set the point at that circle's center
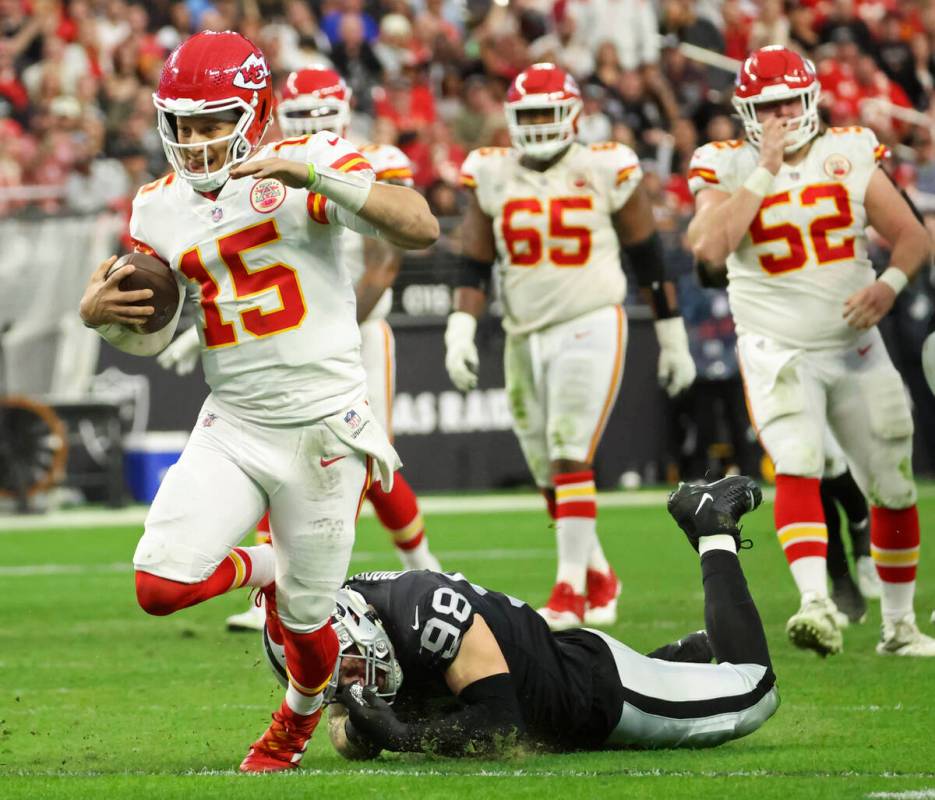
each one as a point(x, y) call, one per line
point(490, 719)
point(399, 214)
point(470, 295)
point(911, 247)
point(722, 220)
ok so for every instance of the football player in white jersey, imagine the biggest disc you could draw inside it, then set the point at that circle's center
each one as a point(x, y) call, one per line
point(313, 100)
point(554, 214)
point(254, 230)
point(786, 212)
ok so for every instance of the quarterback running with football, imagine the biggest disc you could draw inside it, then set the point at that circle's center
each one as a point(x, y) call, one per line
point(314, 100)
point(469, 670)
point(554, 214)
point(254, 232)
point(785, 211)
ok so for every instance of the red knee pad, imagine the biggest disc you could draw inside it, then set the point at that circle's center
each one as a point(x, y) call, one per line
point(160, 596)
point(310, 658)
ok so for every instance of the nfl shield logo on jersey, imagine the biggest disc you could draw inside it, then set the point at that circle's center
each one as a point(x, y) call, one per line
point(352, 419)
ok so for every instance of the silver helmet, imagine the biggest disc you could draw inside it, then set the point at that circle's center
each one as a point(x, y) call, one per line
point(361, 638)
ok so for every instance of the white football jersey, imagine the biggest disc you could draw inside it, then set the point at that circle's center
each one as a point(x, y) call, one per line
point(390, 164)
point(559, 255)
point(806, 251)
point(264, 263)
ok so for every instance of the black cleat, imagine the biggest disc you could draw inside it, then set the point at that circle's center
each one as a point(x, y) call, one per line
point(848, 599)
point(707, 509)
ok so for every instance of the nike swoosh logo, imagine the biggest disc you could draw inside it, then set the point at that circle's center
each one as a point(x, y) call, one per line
point(704, 499)
point(329, 461)
point(333, 141)
point(415, 625)
point(862, 351)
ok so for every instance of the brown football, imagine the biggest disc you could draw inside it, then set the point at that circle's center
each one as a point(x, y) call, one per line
point(151, 273)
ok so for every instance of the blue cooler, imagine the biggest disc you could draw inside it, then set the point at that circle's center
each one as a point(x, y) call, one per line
point(147, 458)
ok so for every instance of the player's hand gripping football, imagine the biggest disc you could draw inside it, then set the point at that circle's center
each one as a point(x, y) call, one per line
point(104, 302)
point(865, 308)
point(182, 354)
point(773, 143)
point(291, 173)
point(372, 717)
point(461, 359)
point(676, 368)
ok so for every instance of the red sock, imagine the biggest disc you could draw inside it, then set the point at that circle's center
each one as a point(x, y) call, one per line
point(262, 527)
point(894, 542)
point(161, 596)
point(310, 658)
point(801, 530)
point(800, 518)
point(550, 507)
point(398, 511)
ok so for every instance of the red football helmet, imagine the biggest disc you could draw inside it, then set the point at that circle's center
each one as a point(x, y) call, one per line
point(314, 99)
point(214, 73)
point(543, 87)
point(777, 73)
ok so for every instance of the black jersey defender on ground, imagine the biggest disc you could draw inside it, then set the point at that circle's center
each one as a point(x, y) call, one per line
point(478, 665)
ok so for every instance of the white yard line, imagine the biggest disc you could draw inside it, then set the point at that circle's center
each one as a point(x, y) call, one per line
point(431, 504)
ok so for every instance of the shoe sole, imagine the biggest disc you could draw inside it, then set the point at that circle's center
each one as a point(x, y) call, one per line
point(806, 635)
point(561, 621)
point(602, 615)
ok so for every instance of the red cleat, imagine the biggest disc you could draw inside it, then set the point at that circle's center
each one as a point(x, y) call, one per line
point(283, 744)
point(564, 609)
point(603, 591)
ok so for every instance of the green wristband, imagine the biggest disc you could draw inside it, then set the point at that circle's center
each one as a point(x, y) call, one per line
point(312, 175)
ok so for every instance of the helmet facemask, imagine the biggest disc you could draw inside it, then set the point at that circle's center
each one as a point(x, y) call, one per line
point(302, 115)
point(802, 129)
point(544, 140)
point(364, 646)
point(238, 146)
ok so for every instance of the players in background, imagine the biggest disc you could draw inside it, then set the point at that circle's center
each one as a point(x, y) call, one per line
point(255, 229)
point(786, 212)
point(317, 99)
point(555, 213)
point(469, 670)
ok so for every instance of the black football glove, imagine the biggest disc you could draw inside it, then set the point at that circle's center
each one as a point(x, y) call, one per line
point(371, 717)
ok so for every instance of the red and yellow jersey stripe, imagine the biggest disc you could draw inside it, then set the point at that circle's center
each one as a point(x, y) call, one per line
point(625, 173)
point(351, 162)
point(706, 174)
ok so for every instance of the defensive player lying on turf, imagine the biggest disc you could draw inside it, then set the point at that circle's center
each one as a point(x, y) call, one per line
point(468, 670)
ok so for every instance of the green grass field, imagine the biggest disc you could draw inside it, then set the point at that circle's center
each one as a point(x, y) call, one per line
point(99, 700)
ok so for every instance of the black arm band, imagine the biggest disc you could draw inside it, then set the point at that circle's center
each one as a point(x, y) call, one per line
point(708, 278)
point(647, 260)
point(490, 719)
point(474, 273)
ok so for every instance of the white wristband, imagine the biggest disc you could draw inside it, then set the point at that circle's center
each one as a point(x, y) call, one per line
point(759, 182)
point(347, 189)
point(895, 278)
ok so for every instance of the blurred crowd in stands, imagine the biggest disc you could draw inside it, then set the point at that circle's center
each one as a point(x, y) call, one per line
point(77, 124)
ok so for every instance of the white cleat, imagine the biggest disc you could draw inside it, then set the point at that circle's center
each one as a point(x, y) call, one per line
point(868, 581)
point(903, 638)
point(814, 626)
point(253, 619)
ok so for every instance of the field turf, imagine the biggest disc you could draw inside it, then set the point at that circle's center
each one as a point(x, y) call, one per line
point(99, 700)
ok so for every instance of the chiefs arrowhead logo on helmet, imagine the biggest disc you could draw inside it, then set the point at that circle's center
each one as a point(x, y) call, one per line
point(253, 73)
